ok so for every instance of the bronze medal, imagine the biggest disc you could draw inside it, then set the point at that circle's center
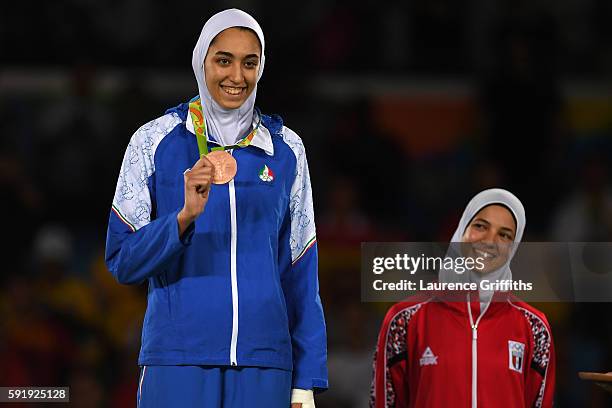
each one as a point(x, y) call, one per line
point(225, 166)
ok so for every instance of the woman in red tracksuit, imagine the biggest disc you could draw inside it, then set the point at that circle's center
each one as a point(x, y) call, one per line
point(482, 349)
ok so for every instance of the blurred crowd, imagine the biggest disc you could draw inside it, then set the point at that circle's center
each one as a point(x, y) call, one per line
point(406, 111)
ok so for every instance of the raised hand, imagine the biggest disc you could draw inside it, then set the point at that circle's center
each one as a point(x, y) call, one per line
point(198, 180)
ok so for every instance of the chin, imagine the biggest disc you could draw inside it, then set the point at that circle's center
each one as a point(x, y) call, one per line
point(488, 268)
point(231, 104)
point(484, 271)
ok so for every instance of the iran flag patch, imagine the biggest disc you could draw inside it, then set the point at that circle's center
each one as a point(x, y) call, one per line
point(266, 174)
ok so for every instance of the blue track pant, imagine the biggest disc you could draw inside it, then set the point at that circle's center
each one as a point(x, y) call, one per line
point(213, 387)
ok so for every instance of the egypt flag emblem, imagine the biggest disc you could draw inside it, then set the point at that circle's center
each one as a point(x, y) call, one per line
point(516, 355)
point(266, 174)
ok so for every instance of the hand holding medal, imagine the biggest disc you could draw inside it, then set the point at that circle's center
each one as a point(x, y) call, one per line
point(225, 165)
point(198, 181)
point(216, 167)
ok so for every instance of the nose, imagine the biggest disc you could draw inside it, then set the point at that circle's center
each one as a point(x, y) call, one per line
point(490, 237)
point(235, 74)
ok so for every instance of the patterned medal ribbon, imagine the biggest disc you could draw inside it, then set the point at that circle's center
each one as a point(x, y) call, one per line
point(199, 126)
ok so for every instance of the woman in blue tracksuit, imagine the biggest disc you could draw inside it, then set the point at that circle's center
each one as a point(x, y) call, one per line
point(213, 208)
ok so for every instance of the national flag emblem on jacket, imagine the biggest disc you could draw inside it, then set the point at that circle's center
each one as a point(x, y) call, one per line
point(266, 174)
point(516, 355)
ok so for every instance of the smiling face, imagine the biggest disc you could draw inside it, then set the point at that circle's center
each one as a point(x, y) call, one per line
point(231, 66)
point(491, 235)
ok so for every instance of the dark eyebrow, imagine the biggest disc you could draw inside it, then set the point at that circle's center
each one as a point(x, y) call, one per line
point(225, 53)
point(481, 220)
point(230, 55)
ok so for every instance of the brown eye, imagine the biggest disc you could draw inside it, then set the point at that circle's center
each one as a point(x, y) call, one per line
point(223, 61)
point(250, 64)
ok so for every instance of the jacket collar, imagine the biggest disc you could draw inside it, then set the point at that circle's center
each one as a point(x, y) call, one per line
point(458, 301)
point(262, 138)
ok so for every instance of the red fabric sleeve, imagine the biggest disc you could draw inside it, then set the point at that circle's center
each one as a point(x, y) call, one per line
point(389, 383)
point(540, 383)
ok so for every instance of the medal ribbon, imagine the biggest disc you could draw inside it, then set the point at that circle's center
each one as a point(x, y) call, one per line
point(199, 127)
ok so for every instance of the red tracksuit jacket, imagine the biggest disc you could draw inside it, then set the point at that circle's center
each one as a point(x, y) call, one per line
point(432, 353)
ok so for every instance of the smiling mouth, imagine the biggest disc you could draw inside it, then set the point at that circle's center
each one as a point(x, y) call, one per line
point(486, 255)
point(232, 90)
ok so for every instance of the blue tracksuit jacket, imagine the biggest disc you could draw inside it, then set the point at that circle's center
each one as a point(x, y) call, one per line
point(240, 287)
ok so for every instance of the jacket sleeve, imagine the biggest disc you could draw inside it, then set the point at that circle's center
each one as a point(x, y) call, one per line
point(389, 378)
point(300, 283)
point(540, 381)
point(137, 245)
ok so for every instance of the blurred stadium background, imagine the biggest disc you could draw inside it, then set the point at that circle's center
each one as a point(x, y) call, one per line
point(406, 108)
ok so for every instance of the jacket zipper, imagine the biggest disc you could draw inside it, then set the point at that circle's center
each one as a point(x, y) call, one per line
point(475, 350)
point(233, 233)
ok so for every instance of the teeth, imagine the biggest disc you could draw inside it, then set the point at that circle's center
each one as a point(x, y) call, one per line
point(484, 254)
point(231, 90)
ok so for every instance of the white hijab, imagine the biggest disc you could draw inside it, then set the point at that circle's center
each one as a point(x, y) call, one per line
point(226, 125)
point(481, 200)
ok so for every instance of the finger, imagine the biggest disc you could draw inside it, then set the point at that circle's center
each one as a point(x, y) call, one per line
point(199, 175)
point(199, 181)
point(206, 175)
point(201, 171)
point(205, 185)
point(204, 182)
point(202, 162)
point(202, 190)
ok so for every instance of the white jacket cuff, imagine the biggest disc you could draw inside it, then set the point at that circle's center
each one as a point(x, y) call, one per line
point(304, 397)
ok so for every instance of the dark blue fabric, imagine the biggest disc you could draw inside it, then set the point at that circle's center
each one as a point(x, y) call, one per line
point(213, 387)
